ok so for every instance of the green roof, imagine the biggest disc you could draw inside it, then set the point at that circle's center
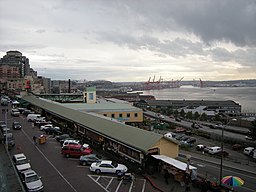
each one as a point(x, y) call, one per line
point(132, 136)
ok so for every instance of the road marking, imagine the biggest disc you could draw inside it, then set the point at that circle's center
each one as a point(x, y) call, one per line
point(91, 176)
point(144, 185)
point(72, 187)
point(131, 186)
point(110, 182)
point(120, 183)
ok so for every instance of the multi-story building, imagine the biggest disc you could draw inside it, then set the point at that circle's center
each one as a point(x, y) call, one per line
point(7, 72)
point(15, 59)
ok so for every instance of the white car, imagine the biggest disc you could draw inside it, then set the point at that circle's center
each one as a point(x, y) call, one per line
point(107, 167)
point(44, 127)
point(74, 142)
point(21, 162)
point(31, 181)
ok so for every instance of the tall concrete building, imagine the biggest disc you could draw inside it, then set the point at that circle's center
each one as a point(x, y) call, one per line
point(15, 59)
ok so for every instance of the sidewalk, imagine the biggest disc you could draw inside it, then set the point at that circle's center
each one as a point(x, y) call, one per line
point(158, 181)
point(8, 177)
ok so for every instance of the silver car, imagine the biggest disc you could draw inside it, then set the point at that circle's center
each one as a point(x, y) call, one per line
point(31, 181)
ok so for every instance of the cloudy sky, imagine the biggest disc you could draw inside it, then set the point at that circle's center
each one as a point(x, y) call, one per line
point(132, 40)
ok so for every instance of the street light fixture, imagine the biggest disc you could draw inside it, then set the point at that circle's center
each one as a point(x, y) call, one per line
point(221, 156)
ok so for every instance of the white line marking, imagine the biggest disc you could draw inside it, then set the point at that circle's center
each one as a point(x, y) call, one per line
point(97, 178)
point(98, 183)
point(110, 182)
point(49, 162)
point(131, 186)
point(144, 185)
point(120, 183)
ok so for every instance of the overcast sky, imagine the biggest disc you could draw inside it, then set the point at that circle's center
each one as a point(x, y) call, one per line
point(132, 40)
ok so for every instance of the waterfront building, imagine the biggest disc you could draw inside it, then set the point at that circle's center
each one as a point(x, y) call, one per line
point(226, 106)
point(124, 141)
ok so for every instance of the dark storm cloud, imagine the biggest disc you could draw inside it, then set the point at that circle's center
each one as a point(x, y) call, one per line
point(225, 20)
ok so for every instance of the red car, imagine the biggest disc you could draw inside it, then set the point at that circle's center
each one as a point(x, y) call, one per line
point(179, 130)
point(75, 150)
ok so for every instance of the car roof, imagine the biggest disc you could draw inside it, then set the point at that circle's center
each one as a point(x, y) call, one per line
point(20, 156)
point(106, 162)
point(29, 172)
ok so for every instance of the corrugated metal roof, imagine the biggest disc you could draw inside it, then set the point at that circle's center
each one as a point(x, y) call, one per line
point(132, 136)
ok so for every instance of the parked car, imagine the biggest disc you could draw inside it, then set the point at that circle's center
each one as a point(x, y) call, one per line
point(32, 116)
point(191, 140)
point(44, 127)
point(214, 150)
point(89, 159)
point(31, 181)
point(195, 125)
point(179, 130)
point(16, 125)
point(74, 142)
point(75, 150)
point(53, 131)
point(27, 111)
point(108, 167)
point(170, 135)
point(63, 140)
point(15, 112)
point(178, 119)
point(61, 137)
point(249, 138)
point(236, 147)
point(21, 162)
point(200, 147)
point(248, 150)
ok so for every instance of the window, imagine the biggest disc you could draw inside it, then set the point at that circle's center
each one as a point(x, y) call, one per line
point(135, 114)
point(128, 115)
point(113, 115)
point(120, 115)
point(105, 115)
point(90, 96)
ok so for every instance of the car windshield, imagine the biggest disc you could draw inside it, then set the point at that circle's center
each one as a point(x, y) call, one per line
point(16, 123)
point(31, 178)
point(114, 164)
point(20, 162)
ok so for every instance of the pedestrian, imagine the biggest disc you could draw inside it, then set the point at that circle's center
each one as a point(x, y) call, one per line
point(166, 176)
point(34, 139)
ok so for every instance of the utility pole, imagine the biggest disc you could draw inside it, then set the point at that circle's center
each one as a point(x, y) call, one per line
point(4, 111)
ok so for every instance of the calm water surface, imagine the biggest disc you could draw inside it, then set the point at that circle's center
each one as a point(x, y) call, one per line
point(245, 96)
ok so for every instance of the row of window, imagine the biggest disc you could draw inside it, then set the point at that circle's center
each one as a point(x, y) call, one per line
point(121, 115)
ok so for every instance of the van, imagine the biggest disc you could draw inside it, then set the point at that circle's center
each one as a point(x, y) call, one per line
point(248, 150)
point(214, 150)
point(31, 117)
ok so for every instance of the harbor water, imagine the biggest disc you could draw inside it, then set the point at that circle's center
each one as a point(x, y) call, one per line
point(245, 96)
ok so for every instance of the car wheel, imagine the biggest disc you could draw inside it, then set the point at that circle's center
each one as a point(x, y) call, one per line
point(67, 155)
point(84, 163)
point(118, 171)
point(97, 171)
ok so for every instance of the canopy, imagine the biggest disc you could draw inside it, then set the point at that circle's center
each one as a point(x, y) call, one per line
point(178, 164)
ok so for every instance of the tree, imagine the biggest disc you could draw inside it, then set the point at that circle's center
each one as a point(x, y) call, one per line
point(182, 113)
point(196, 115)
point(203, 117)
point(253, 130)
point(189, 115)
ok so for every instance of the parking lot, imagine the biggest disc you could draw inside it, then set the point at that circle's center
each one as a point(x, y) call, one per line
point(60, 173)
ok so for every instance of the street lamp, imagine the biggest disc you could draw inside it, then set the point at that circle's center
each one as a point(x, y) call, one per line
point(5, 110)
point(221, 156)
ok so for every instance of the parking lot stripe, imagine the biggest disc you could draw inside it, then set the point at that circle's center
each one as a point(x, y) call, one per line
point(110, 182)
point(119, 186)
point(91, 176)
point(144, 185)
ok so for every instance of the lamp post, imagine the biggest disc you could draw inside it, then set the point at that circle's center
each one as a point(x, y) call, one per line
point(188, 174)
point(221, 156)
point(6, 137)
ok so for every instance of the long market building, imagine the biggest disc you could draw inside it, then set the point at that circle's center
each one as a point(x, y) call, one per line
point(131, 143)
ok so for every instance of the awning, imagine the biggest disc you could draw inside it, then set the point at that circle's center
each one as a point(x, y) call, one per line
point(178, 164)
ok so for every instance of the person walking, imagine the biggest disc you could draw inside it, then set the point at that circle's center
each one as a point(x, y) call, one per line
point(34, 139)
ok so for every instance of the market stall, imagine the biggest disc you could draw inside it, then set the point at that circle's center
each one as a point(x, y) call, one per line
point(175, 167)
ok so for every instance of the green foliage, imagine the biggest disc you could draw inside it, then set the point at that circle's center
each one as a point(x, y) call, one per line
point(182, 113)
point(203, 117)
point(189, 115)
point(253, 130)
point(196, 115)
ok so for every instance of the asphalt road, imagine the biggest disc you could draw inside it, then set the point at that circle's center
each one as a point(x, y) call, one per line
point(65, 174)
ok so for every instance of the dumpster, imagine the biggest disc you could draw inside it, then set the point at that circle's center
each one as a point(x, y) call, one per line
point(42, 139)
